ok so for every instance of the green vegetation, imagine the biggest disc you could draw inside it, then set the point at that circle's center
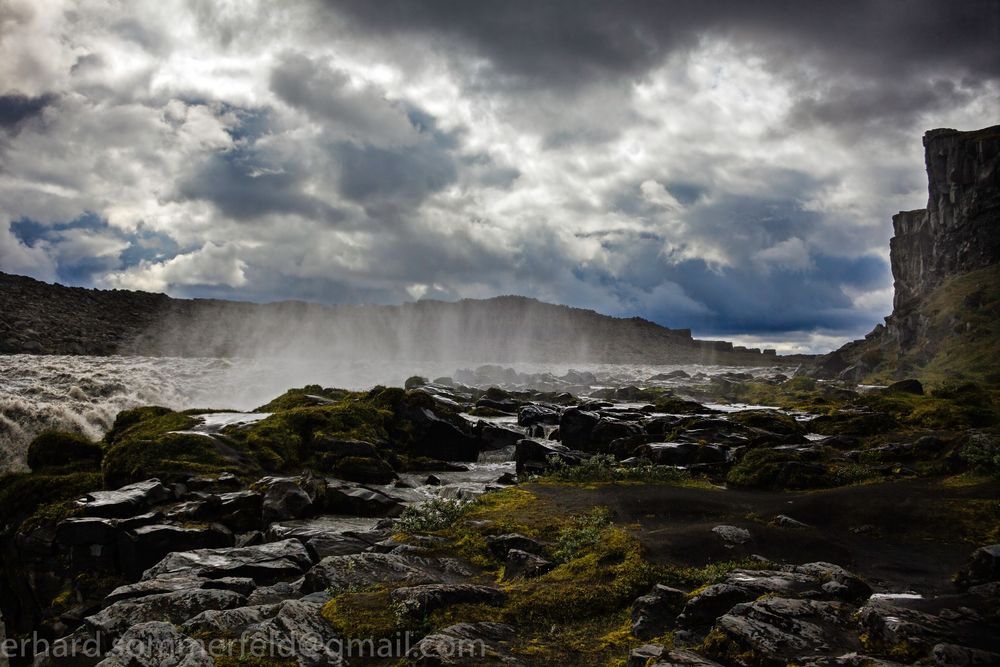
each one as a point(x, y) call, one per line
point(56, 450)
point(982, 453)
point(31, 498)
point(432, 515)
point(602, 468)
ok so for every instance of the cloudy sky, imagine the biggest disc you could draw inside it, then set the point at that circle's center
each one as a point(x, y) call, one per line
point(726, 166)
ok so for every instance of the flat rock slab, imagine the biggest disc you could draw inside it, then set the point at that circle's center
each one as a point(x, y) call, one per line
point(124, 502)
point(264, 563)
point(339, 573)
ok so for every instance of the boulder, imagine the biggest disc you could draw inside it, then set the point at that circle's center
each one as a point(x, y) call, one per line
point(533, 455)
point(124, 502)
point(501, 545)
point(298, 624)
point(534, 414)
point(653, 613)
point(231, 622)
point(576, 426)
point(732, 535)
point(142, 547)
point(113, 621)
point(365, 470)
point(79, 649)
point(265, 563)
point(523, 564)
point(240, 510)
point(356, 500)
point(983, 567)
point(290, 497)
point(681, 453)
point(86, 530)
point(777, 631)
point(156, 644)
point(910, 386)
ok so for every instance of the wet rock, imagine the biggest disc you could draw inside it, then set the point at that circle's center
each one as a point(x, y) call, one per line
point(290, 497)
point(425, 599)
point(533, 414)
point(240, 510)
point(223, 483)
point(576, 426)
point(492, 436)
point(654, 613)
point(523, 564)
point(265, 563)
point(79, 649)
point(156, 644)
point(533, 455)
point(365, 470)
point(983, 567)
point(465, 644)
point(339, 573)
point(276, 593)
point(114, 620)
point(439, 439)
point(811, 581)
point(330, 535)
point(432, 480)
point(776, 631)
point(124, 502)
point(141, 548)
point(355, 500)
point(507, 479)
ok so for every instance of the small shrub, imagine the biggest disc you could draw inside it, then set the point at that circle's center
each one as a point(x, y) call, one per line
point(982, 454)
point(432, 515)
point(582, 533)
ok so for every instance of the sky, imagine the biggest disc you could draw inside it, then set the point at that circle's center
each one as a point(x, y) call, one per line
point(729, 167)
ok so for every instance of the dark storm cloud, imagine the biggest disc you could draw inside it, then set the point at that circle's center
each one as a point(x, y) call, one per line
point(16, 107)
point(573, 41)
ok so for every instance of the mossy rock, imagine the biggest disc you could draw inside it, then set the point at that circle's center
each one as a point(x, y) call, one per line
point(679, 406)
point(146, 422)
point(854, 422)
point(58, 449)
point(303, 397)
point(126, 419)
point(777, 469)
point(170, 455)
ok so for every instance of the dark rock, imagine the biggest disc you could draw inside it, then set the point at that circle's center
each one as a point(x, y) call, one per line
point(366, 470)
point(111, 622)
point(231, 622)
point(124, 502)
point(141, 548)
point(492, 436)
point(156, 644)
point(79, 649)
point(507, 479)
point(533, 414)
point(355, 500)
point(290, 497)
point(779, 630)
point(240, 510)
point(653, 613)
point(86, 530)
point(905, 387)
point(523, 564)
point(576, 426)
point(732, 535)
point(681, 453)
point(297, 623)
point(432, 480)
point(983, 567)
point(264, 563)
point(500, 545)
point(533, 455)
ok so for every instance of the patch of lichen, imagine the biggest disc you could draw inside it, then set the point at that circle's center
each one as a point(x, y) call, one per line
point(29, 499)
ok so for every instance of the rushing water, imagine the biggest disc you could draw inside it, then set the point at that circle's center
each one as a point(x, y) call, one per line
point(84, 394)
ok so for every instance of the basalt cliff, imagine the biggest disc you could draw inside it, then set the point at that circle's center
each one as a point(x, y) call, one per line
point(946, 308)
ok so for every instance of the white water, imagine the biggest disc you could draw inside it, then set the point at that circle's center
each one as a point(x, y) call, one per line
point(84, 394)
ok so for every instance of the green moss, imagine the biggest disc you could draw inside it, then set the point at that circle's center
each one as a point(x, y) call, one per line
point(129, 419)
point(138, 458)
point(56, 449)
point(304, 397)
point(368, 614)
point(679, 406)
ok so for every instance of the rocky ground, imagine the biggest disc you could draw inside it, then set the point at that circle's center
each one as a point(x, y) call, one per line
point(444, 524)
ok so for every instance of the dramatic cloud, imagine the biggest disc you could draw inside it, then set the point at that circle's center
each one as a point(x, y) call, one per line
point(726, 166)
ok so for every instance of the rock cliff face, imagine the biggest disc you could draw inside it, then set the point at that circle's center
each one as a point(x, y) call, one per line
point(944, 264)
point(958, 232)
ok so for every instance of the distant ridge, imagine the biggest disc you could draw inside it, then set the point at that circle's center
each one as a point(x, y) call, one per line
point(42, 318)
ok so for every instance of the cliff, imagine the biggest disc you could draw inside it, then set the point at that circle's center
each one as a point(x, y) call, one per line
point(944, 263)
point(40, 318)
